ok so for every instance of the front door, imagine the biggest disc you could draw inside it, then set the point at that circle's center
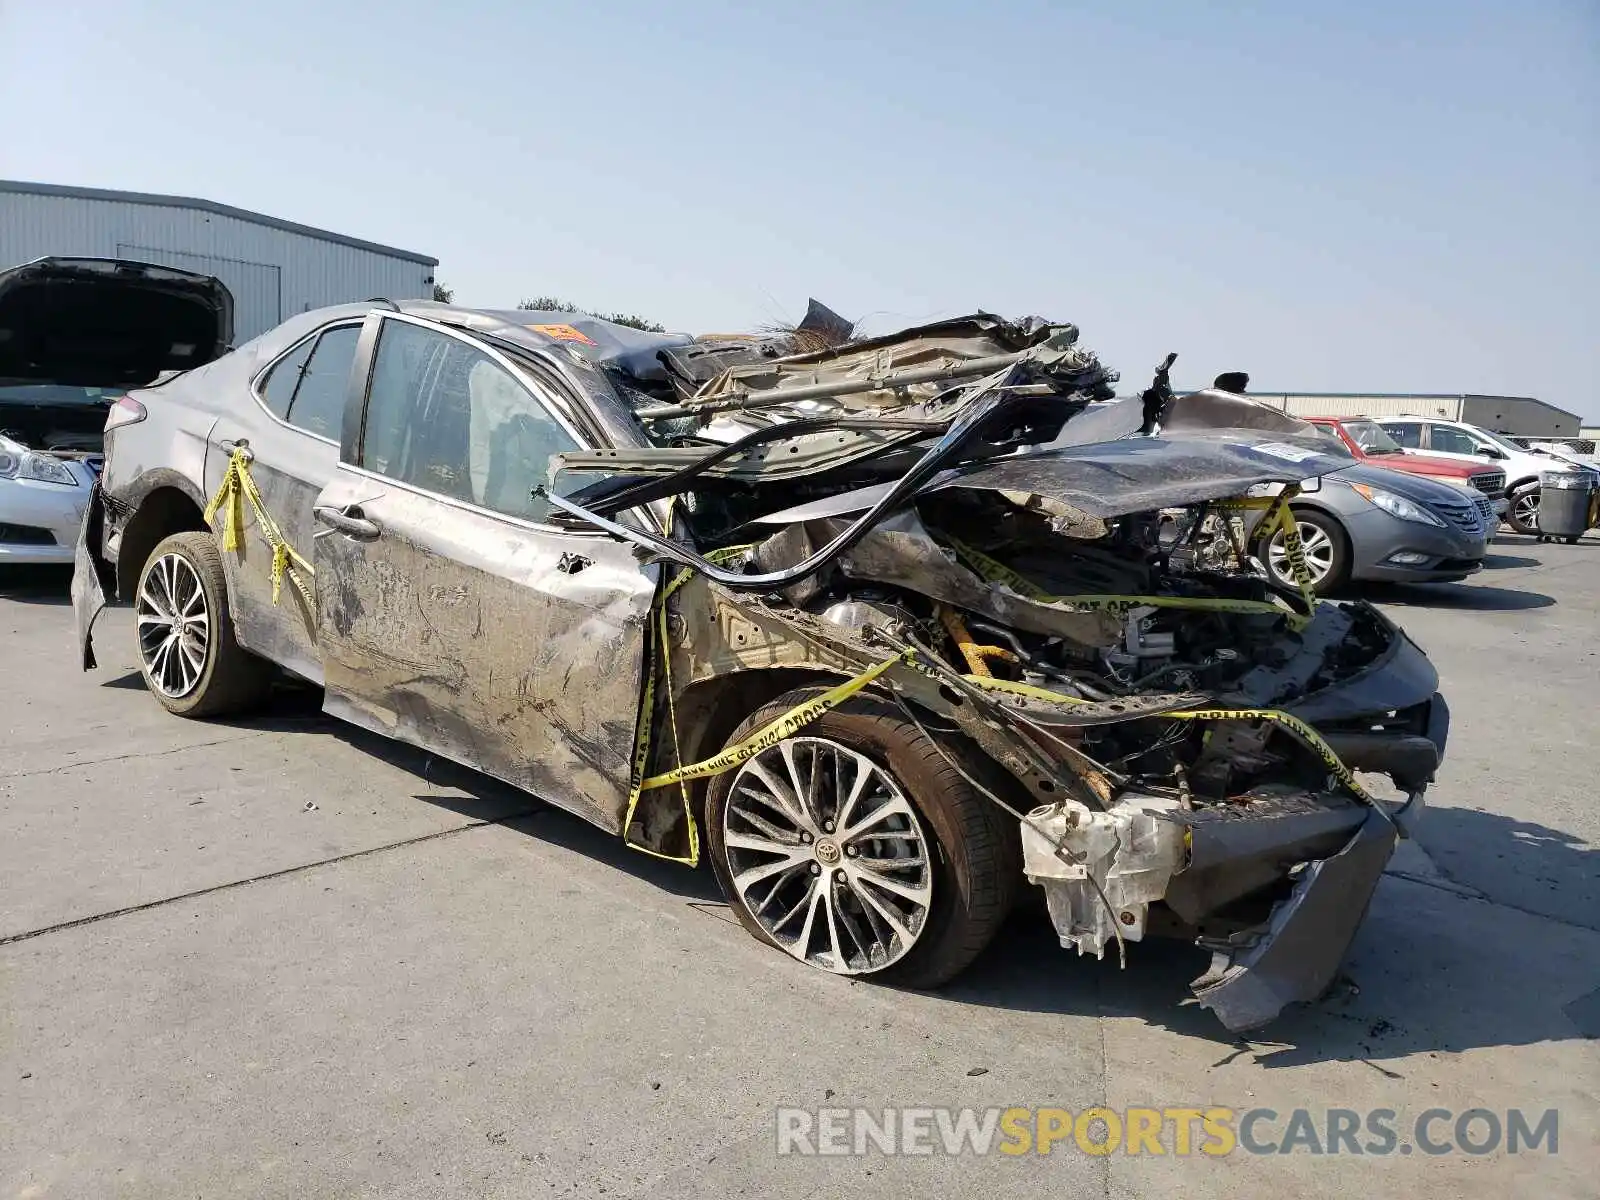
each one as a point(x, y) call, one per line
point(451, 615)
point(290, 431)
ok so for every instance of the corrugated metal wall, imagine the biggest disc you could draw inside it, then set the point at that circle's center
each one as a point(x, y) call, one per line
point(273, 273)
point(257, 287)
point(1447, 407)
point(1503, 414)
point(1515, 414)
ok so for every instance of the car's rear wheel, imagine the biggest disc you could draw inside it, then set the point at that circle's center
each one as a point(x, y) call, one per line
point(187, 652)
point(856, 847)
point(1327, 553)
point(1522, 513)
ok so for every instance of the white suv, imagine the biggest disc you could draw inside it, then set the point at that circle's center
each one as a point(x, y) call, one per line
point(1457, 439)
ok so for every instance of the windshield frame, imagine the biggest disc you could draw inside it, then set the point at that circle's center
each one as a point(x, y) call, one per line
point(1355, 426)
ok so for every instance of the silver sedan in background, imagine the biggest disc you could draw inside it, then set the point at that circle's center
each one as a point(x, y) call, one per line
point(50, 456)
point(1369, 523)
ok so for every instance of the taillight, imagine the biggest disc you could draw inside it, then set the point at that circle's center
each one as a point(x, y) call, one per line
point(126, 411)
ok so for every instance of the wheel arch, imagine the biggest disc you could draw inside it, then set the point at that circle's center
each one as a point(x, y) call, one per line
point(167, 503)
point(709, 711)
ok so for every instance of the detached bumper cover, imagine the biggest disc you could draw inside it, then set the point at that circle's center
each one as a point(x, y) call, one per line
point(88, 582)
point(1297, 954)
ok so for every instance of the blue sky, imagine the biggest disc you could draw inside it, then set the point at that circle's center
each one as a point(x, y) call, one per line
point(1386, 197)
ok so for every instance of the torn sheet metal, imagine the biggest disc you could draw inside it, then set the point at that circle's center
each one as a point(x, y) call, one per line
point(1114, 479)
point(1295, 955)
point(944, 344)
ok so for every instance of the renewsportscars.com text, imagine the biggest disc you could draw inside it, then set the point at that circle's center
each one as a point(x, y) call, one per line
point(1210, 1131)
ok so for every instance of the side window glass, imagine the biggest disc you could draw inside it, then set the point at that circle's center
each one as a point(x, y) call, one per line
point(1452, 441)
point(318, 405)
point(277, 389)
point(444, 416)
point(1408, 434)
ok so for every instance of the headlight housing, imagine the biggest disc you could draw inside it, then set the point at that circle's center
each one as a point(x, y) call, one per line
point(18, 463)
point(1397, 506)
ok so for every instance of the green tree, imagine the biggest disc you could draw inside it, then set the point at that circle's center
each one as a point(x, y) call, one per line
point(443, 294)
point(556, 304)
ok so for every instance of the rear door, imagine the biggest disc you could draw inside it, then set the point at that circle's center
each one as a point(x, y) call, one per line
point(289, 427)
point(1449, 442)
point(451, 614)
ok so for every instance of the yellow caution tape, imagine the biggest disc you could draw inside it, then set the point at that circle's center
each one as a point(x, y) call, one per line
point(1294, 725)
point(1304, 732)
point(236, 483)
point(1280, 516)
point(656, 646)
point(771, 734)
point(802, 715)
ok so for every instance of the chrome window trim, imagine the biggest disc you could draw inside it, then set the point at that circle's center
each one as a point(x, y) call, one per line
point(255, 382)
point(535, 389)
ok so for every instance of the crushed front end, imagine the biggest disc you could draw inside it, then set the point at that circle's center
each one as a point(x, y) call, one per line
point(1071, 589)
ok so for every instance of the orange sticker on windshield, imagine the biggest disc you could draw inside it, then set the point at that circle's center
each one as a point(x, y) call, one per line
point(564, 333)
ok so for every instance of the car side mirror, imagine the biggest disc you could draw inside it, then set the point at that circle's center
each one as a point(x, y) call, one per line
point(1491, 452)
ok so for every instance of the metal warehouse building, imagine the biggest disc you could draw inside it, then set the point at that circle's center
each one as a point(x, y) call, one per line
point(1522, 415)
point(274, 268)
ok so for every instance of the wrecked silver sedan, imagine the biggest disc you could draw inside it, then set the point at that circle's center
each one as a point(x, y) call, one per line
point(885, 628)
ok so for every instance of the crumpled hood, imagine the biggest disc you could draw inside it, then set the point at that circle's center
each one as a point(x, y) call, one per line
point(1112, 479)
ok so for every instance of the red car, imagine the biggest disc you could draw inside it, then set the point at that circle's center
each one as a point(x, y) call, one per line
point(1368, 441)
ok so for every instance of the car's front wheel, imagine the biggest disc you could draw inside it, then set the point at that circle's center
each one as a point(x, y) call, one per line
point(1326, 548)
point(856, 846)
point(187, 652)
point(1522, 512)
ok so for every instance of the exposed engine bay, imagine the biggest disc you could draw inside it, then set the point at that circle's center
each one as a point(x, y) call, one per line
point(62, 421)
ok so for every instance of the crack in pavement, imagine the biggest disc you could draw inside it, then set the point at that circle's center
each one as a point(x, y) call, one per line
point(92, 762)
point(60, 926)
point(1451, 889)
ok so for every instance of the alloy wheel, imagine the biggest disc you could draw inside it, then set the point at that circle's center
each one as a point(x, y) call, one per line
point(1318, 547)
point(1525, 508)
point(828, 856)
point(174, 626)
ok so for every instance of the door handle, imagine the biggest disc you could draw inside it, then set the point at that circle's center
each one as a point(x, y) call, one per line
point(348, 521)
point(229, 446)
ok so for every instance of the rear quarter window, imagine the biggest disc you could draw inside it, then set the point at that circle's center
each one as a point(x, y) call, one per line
point(318, 404)
point(277, 387)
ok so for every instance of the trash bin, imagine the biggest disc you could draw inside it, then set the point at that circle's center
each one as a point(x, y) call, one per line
point(1563, 504)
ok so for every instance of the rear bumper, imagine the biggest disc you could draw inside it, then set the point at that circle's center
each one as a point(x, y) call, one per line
point(89, 575)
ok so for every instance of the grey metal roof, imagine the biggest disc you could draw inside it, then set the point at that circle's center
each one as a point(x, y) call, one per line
point(211, 206)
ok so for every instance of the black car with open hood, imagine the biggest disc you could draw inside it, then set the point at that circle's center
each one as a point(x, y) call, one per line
point(95, 322)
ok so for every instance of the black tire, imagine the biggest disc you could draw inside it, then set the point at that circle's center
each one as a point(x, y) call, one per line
point(1525, 522)
point(229, 678)
point(974, 854)
point(1310, 520)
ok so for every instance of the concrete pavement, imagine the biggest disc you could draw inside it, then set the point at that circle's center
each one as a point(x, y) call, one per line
point(280, 957)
